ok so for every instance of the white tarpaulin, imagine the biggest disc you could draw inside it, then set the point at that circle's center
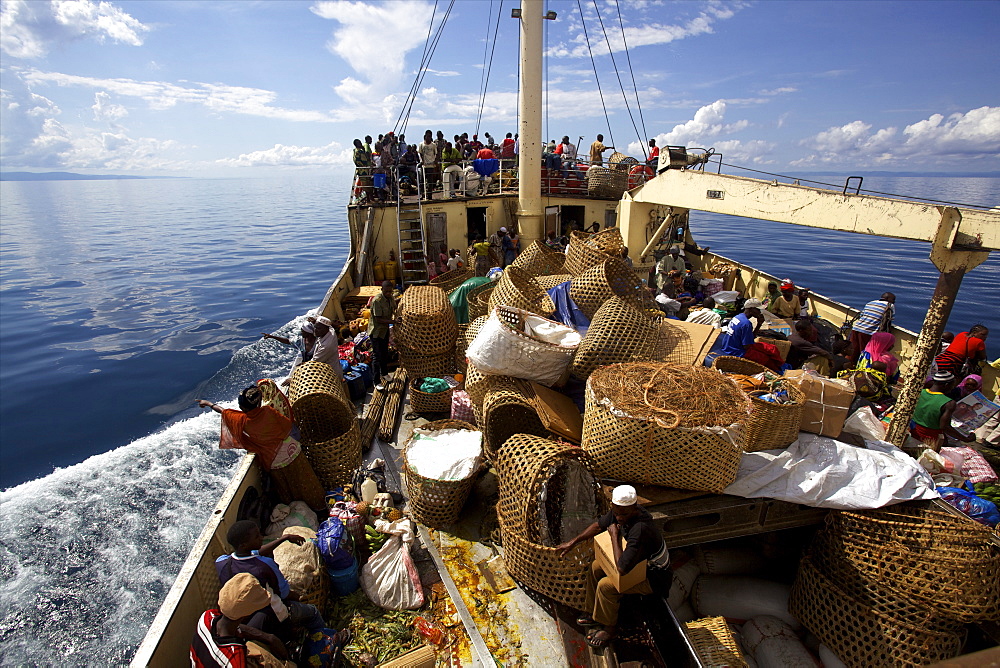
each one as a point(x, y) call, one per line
point(825, 473)
point(445, 454)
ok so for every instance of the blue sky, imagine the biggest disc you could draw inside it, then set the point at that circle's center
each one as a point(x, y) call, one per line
point(185, 87)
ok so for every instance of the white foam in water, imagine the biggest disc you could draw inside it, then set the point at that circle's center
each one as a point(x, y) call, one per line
point(88, 553)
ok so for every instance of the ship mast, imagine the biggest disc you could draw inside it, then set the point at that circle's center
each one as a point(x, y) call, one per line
point(529, 164)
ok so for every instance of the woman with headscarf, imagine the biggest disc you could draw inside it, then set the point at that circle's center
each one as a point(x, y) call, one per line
point(877, 350)
point(971, 383)
point(274, 438)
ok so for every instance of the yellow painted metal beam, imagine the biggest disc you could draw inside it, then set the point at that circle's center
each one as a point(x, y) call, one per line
point(813, 207)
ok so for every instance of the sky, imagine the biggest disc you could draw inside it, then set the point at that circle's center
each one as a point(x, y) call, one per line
point(254, 87)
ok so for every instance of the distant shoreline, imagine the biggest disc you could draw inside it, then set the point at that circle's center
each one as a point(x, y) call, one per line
point(71, 176)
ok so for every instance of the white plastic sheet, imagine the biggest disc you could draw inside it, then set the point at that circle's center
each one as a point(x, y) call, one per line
point(447, 454)
point(825, 473)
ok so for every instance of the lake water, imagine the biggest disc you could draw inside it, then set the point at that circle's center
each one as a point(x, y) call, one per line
point(121, 302)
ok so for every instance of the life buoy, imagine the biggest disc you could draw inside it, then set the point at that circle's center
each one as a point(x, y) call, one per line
point(638, 175)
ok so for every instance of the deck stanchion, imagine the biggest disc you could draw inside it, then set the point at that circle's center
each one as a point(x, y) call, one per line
point(953, 265)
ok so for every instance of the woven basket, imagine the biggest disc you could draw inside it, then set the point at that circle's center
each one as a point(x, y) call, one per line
point(641, 451)
point(429, 402)
point(318, 595)
point(478, 384)
point(714, 643)
point(549, 282)
point(931, 557)
point(318, 402)
point(523, 466)
point(858, 634)
point(538, 259)
point(508, 408)
point(426, 322)
point(334, 460)
point(478, 300)
point(518, 289)
point(585, 251)
point(602, 282)
point(450, 280)
point(606, 182)
point(619, 332)
point(771, 426)
point(418, 365)
point(460, 345)
point(436, 503)
point(622, 161)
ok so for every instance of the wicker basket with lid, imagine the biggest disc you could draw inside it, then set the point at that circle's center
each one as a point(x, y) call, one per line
point(426, 322)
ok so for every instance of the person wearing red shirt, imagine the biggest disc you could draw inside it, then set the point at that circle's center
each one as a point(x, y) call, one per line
point(967, 346)
point(654, 155)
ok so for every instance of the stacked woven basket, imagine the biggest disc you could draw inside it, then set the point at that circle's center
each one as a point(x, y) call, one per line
point(426, 332)
point(527, 466)
point(437, 503)
point(771, 425)
point(327, 421)
point(895, 586)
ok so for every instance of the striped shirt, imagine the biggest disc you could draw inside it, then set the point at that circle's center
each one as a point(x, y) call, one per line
point(871, 316)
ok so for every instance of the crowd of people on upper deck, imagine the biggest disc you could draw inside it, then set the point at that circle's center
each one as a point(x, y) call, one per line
point(388, 167)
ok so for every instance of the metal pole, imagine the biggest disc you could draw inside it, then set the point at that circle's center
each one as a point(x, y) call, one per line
point(529, 164)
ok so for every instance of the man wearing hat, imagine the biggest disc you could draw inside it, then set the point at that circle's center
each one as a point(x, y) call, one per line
point(629, 521)
point(787, 305)
point(739, 334)
point(326, 349)
point(228, 636)
point(932, 415)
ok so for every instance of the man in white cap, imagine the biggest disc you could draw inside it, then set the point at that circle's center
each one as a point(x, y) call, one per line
point(629, 521)
point(932, 414)
point(741, 331)
point(326, 349)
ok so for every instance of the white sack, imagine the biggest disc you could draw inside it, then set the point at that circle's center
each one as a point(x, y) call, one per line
point(498, 350)
point(864, 423)
point(774, 644)
point(825, 473)
point(295, 514)
point(447, 454)
point(737, 597)
point(390, 578)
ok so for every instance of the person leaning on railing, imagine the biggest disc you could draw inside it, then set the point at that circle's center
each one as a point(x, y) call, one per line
point(363, 167)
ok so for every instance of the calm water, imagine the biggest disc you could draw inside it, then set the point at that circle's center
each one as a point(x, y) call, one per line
point(123, 301)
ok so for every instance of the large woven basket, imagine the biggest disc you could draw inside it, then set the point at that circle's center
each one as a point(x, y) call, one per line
point(418, 365)
point(478, 384)
point(586, 250)
point(860, 635)
point(945, 563)
point(437, 503)
point(450, 280)
point(502, 347)
point(426, 322)
point(771, 426)
point(610, 278)
point(508, 408)
point(516, 288)
point(429, 402)
point(642, 451)
point(335, 459)
point(538, 259)
point(549, 282)
point(523, 466)
point(622, 161)
point(460, 345)
point(619, 332)
point(478, 299)
point(318, 402)
point(714, 643)
point(606, 182)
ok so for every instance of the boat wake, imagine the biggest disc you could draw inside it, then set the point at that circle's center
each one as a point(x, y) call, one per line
point(88, 553)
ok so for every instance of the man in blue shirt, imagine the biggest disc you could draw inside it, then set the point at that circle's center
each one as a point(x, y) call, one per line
point(252, 556)
point(739, 334)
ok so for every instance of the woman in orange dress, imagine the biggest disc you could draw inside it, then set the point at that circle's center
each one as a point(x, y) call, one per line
point(274, 438)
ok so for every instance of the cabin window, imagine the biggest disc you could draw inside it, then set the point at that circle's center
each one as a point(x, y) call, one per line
point(610, 218)
point(573, 218)
point(476, 222)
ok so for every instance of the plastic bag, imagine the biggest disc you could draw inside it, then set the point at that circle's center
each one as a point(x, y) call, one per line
point(331, 539)
point(390, 578)
point(295, 514)
point(865, 424)
point(934, 463)
point(979, 509)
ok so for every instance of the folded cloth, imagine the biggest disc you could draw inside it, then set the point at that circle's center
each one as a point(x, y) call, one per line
point(434, 385)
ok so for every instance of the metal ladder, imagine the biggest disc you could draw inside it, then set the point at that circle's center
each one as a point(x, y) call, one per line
point(412, 250)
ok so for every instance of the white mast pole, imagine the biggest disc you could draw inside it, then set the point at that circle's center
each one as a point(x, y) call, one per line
point(529, 165)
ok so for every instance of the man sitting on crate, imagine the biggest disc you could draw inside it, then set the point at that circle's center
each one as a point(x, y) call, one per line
point(632, 523)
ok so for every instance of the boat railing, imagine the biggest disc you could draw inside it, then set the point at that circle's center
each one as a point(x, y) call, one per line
point(459, 180)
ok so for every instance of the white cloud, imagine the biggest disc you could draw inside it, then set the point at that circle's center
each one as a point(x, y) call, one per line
point(973, 134)
point(779, 91)
point(645, 33)
point(105, 110)
point(293, 156)
point(443, 73)
point(220, 98)
point(29, 29)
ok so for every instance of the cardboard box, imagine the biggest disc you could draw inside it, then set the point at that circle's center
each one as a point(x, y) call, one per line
point(827, 402)
point(606, 559)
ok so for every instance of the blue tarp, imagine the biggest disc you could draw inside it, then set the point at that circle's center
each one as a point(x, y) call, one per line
point(567, 312)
